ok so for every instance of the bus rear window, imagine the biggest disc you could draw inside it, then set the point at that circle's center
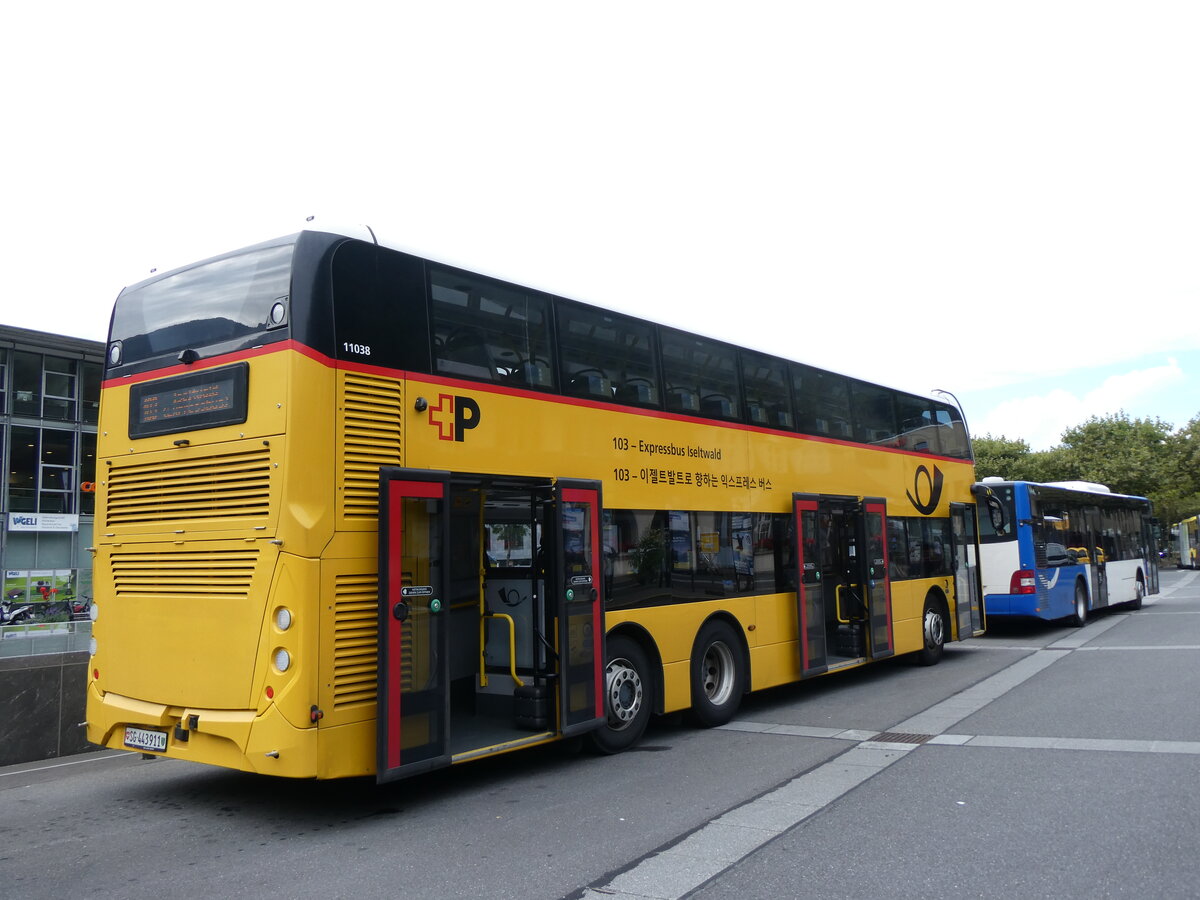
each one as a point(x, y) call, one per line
point(207, 305)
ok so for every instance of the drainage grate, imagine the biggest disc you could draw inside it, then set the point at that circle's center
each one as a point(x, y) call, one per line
point(899, 737)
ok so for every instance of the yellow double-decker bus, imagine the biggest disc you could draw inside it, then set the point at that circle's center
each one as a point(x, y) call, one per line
point(362, 513)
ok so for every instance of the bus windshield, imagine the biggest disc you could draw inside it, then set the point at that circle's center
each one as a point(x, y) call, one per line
point(234, 295)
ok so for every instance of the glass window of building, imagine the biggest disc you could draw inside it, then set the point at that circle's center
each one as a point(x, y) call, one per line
point(41, 470)
point(57, 489)
point(58, 394)
point(22, 469)
point(3, 381)
point(89, 397)
point(27, 383)
point(87, 473)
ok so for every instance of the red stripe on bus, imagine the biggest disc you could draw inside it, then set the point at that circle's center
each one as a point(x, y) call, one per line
point(486, 388)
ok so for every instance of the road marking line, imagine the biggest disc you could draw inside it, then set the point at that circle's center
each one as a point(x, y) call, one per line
point(717, 846)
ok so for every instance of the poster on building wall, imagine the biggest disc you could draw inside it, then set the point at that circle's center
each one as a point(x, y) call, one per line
point(39, 585)
point(21, 521)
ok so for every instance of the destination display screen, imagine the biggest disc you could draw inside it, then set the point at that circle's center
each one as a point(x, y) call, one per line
point(187, 402)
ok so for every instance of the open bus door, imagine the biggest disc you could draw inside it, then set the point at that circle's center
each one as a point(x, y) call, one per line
point(844, 593)
point(413, 649)
point(967, 588)
point(579, 609)
point(1150, 540)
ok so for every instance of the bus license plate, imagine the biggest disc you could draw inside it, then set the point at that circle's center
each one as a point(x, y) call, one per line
point(145, 739)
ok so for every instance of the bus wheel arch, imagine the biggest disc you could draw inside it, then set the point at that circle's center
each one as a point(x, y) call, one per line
point(632, 690)
point(935, 628)
point(719, 671)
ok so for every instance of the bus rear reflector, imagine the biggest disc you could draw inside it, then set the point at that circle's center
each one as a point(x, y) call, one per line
point(1024, 581)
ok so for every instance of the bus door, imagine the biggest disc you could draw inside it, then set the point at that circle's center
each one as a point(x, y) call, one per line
point(844, 594)
point(1150, 541)
point(412, 699)
point(578, 575)
point(967, 589)
point(1097, 559)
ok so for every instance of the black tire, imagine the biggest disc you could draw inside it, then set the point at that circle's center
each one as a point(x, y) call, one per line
point(718, 674)
point(628, 697)
point(934, 626)
point(1078, 618)
point(1140, 595)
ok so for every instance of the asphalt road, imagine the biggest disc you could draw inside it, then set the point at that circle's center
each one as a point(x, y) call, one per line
point(1036, 761)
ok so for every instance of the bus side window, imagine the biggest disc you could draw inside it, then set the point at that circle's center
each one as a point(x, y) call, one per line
point(822, 402)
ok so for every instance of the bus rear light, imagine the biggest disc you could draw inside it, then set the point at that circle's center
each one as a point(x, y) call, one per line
point(270, 692)
point(92, 645)
point(1024, 581)
point(283, 660)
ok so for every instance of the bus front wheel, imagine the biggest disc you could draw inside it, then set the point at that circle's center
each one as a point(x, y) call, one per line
point(717, 674)
point(933, 631)
point(627, 697)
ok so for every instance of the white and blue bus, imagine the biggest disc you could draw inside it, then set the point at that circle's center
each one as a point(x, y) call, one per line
point(1064, 549)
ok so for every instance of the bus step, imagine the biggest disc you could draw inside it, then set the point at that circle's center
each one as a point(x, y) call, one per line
point(531, 707)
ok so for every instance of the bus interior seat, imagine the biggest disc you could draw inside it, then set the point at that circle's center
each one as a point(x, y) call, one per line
point(591, 383)
point(635, 390)
point(466, 353)
point(717, 405)
point(682, 400)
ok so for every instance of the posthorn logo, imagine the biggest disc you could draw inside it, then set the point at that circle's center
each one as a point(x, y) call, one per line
point(453, 416)
point(924, 483)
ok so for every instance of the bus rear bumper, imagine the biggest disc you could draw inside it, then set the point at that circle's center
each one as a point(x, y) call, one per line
point(236, 739)
point(1014, 605)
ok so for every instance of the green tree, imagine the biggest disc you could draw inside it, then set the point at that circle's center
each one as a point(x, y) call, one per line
point(1130, 456)
point(1000, 457)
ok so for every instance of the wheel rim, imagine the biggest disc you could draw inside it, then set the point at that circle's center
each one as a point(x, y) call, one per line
point(935, 629)
point(1080, 605)
point(624, 693)
point(717, 675)
point(1141, 589)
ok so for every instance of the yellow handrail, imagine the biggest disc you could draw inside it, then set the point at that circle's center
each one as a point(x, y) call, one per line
point(837, 602)
point(512, 647)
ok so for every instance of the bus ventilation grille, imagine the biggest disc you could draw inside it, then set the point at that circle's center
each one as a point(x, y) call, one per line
point(371, 438)
point(184, 573)
point(355, 639)
point(232, 485)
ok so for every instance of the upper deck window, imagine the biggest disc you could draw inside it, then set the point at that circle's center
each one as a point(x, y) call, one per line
point(768, 397)
point(489, 331)
point(210, 304)
point(607, 356)
point(701, 376)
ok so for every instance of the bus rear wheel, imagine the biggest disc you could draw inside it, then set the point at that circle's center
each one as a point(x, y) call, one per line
point(933, 631)
point(717, 674)
point(1139, 594)
point(1079, 616)
point(627, 697)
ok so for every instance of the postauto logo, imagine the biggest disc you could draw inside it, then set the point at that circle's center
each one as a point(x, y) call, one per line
point(927, 490)
point(453, 416)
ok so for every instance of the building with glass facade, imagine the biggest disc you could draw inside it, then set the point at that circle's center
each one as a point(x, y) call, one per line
point(49, 400)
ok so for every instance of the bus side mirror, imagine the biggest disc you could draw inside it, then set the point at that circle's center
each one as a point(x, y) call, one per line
point(996, 514)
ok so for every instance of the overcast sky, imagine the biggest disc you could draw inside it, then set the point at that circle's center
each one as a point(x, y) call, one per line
point(1001, 199)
